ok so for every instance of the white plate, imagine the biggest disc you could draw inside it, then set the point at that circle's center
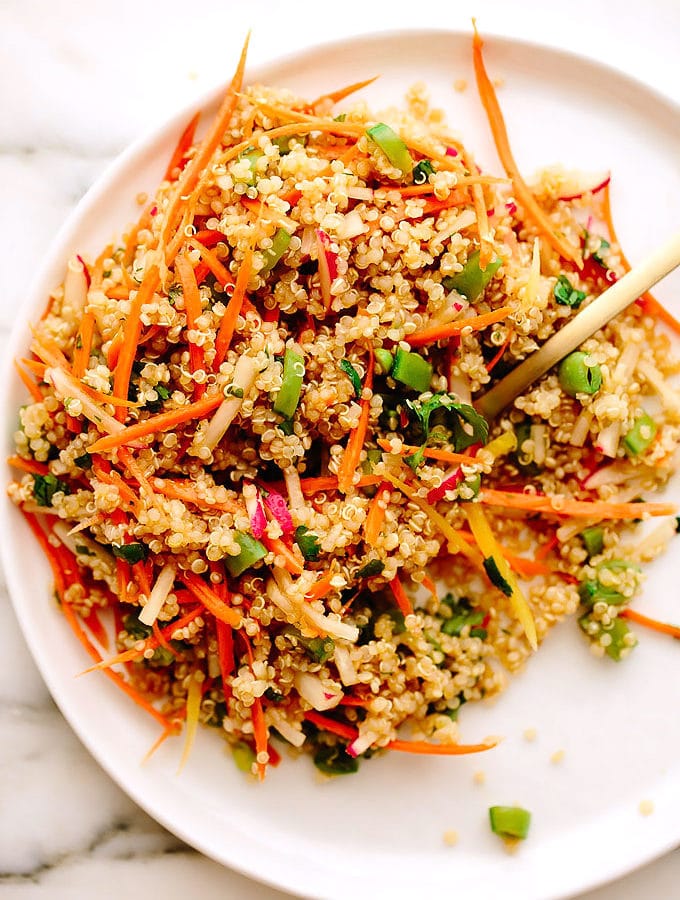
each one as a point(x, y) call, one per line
point(379, 833)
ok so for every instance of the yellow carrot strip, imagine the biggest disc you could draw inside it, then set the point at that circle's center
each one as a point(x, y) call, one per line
point(191, 173)
point(376, 514)
point(490, 550)
point(557, 505)
point(131, 333)
point(225, 332)
point(654, 624)
point(451, 329)
point(81, 354)
point(523, 194)
point(194, 697)
point(455, 543)
point(162, 422)
point(29, 384)
point(341, 93)
point(352, 454)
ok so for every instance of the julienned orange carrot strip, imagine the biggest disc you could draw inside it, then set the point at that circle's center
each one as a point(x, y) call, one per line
point(430, 452)
point(401, 596)
point(212, 602)
point(352, 455)
point(81, 354)
point(192, 307)
point(36, 368)
point(564, 506)
point(192, 172)
point(348, 733)
point(48, 550)
point(493, 362)
point(28, 465)
point(158, 635)
point(113, 352)
point(276, 546)
point(341, 93)
point(103, 472)
point(183, 146)
point(455, 198)
point(47, 349)
point(523, 195)
point(320, 588)
point(227, 327)
point(118, 292)
point(260, 730)
point(161, 422)
point(225, 651)
point(451, 329)
point(430, 586)
point(185, 490)
point(221, 273)
point(654, 624)
point(376, 513)
point(29, 384)
point(131, 334)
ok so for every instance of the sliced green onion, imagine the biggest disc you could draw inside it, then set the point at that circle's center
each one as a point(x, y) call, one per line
point(288, 396)
point(385, 361)
point(591, 592)
point(640, 435)
point(566, 294)
point(252, 156)
point(422, 171)
point(280, 243)
point(495, 577)
point(472, 280)
point(308, 543)
point(244, 756)
point(252, 551)
point(412, 370)
point(593, 538)
point(373, 457)
point(283, 143)
point(352, 374)
point(576, 377)
point(510, 821)
point(392, 146)
point(618, 632)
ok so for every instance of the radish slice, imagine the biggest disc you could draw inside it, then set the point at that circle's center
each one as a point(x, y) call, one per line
point(328, 267)
point(278, 508)
point(362, 743)
point(321, 695)
point(577, 184)
point(255, 510)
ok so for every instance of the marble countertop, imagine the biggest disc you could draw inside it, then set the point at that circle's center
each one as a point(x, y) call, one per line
point(77, 83)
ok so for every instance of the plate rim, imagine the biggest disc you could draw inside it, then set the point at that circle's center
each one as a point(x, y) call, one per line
point(57, 249)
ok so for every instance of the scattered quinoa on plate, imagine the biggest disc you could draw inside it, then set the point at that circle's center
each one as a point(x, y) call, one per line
point(252, 452)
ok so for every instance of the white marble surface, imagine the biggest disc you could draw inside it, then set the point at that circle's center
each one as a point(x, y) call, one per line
point(78, 81)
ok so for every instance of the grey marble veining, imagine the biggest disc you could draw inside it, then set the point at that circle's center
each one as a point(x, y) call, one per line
point(77, 83)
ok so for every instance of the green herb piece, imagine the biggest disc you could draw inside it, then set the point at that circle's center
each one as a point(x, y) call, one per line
point(398, 621)
point(576, 377)
point(352, 374)
point(131, 553)
point(422, 171)
point(641, 435)
point(475, 485)
point(567, 295)
point(412, 370)
point(320, 649)
point(252, 551)
point(334, 760)
point(456, 414)
point(82, 550)
point(244, 756)
point(492, 570)
point(174, 291)
point(510, 821)
point(106, 273)
point(136, 629)
point(593, 539)
point(340, 118)
point(597, 254)
point(385, 361)
point(271, 257)
point(273, 695)
point(45, 487)
point(371, 568)
point(618, 632)
point(472, 281)
point(288, 396)
point(84, 461)
point(591, 592)
point(456, 623)
point(308, 542)
point(392, 146)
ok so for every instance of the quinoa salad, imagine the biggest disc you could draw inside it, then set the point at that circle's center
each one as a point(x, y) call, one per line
point(253, 451)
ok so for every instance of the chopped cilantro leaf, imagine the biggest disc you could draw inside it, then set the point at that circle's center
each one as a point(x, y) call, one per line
point(45, 487)
point(308, 543)
point(566, 295)
point(131, 553)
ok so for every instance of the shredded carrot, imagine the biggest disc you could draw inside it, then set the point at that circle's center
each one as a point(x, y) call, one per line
point(320, 588)
point(212, 263)
point(341, 93)
point(225, 651)
point(430, 586)
point(523, 195)
point(29, 384)
point(28, 465)
point(276, 546)
point(192, 172)
point(430, 452)
point(352, 455)
point(103, 472)
point(455, 198)
point(564, 506)
point(49, 551)
point(212, 602)
point(654, 624)
point(192, 307)
point(185, 490)
point(376, 513)
point(491, 365)
point(161, 422)
point(401, 596)
point(158, 635)
point(81, 354)
point(183, 146)
point(37, 368)
point(261, 736)
point(545, 549)
point(113, 352)
point(131, 334)
point(486, 248)
point(453, 329)
point(227, 327)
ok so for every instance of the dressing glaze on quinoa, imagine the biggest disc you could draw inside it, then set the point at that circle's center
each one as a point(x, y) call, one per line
point(252, 444)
